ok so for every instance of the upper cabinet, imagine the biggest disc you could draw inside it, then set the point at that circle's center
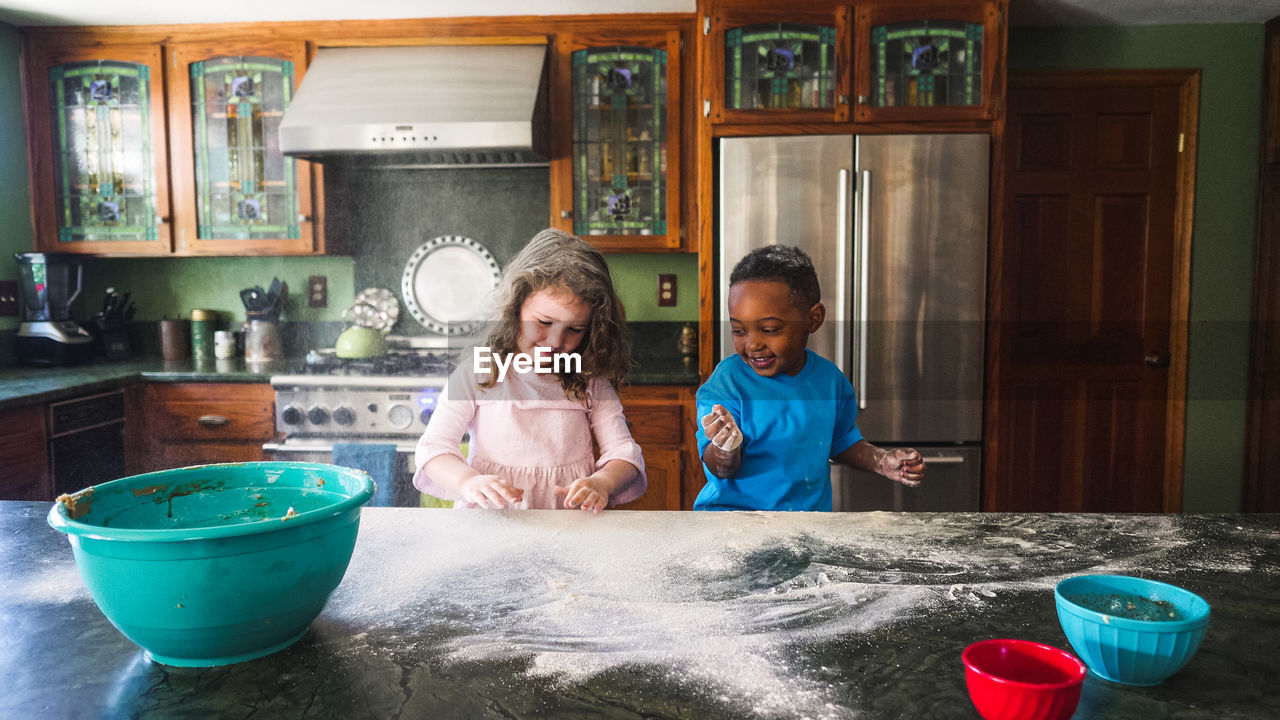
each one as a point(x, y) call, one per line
point(826, 62)
point(616, 180)
point(926, 62)
point(234, 192)
point(779, 64)
point(116, 171)
point(97, 150)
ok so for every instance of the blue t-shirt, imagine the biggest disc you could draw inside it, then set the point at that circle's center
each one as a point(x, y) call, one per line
point(791, 426)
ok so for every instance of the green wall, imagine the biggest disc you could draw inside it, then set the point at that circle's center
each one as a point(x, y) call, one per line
point(174, 286)
point(15, 202)
point(1230, 58)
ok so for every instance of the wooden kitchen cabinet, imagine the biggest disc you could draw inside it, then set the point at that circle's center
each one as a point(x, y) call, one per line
point(104, 148)
point(234, 192)
point(616, 166)
point(200, 423)
point(778, 63)
point(926, 61)
point(660, 418)
point(898, 61)
point(97, 149)
point(24, 459)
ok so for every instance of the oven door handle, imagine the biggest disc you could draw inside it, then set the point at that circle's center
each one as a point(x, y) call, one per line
point(323, 447)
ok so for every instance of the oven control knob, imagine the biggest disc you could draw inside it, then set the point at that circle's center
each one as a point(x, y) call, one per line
point(292, 415)
point(425, 415)
point(318, 415)
point(400, 416)
point(344, 415)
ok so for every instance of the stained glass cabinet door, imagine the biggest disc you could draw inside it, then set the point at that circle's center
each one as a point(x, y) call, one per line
point(622, 179)
point(927, 62)
point(780, 66)
point(97, 139)
point(234, 191)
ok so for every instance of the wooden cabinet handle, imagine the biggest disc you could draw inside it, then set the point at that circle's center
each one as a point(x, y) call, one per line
point(212, 420)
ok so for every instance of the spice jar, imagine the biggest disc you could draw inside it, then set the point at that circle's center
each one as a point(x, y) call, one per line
point(224, 344)
point(203, 325)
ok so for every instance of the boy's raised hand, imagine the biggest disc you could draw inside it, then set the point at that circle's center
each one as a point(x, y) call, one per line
point(721, 429)
point(902, 465)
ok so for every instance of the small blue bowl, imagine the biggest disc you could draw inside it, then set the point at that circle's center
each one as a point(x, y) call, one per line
point(215, 564)
point(1110, 621)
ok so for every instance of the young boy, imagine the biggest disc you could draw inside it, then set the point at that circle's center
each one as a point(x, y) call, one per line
point(774, 412)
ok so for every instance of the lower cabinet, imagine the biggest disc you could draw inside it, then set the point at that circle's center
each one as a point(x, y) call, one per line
point(200, 423)
point(661, 421)
point(24, 458)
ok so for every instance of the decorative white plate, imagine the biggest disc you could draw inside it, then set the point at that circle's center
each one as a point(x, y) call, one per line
point(446, 282)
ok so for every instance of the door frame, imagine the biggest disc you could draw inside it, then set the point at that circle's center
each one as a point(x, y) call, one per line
point(1261, 493)
point(1188, 83)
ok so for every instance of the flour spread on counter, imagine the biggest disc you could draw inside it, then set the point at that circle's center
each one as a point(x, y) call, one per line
point(719, 603)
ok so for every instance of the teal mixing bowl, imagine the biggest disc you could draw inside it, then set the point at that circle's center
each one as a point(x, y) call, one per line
point(215, 564)
point(1131, 630)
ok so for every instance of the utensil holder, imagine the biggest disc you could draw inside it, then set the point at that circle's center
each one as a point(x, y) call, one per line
point(261, 340)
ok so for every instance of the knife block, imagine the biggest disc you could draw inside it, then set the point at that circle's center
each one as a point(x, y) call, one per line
point(115, 345)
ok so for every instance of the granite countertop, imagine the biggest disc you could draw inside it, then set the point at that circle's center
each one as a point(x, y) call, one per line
point(21, 386)
point(511, 614)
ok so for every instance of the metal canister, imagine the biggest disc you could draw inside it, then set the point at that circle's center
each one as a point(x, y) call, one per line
point(204, 323)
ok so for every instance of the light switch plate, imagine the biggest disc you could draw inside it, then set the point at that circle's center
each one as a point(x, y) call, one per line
point(666, 291)
point(8, 298)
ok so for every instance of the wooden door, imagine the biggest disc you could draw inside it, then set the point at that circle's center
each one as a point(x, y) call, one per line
point(1262, 452)
point(1091, 295)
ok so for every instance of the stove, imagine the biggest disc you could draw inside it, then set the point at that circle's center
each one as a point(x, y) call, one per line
point(415, 362)
point(380, 400)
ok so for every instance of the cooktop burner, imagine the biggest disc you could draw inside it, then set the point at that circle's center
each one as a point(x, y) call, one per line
point(414, 362)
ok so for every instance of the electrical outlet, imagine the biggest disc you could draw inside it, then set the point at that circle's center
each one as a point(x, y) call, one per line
point(8, 298)
point(666, 291)
point(317, 291)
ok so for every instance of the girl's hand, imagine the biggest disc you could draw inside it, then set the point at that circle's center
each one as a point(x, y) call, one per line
point(721, 429)
point(902, 465)
point(490, 491)
point(589, 493)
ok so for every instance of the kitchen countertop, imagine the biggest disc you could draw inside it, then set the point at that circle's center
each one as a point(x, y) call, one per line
point(21, 386)
point(488, 614)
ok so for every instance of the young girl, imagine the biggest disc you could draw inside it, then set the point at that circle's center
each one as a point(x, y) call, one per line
point(531, 432)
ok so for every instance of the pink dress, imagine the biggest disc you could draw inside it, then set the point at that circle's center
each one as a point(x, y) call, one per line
point(525, 430)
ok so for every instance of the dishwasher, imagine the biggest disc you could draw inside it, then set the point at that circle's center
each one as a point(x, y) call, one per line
point(86, 441)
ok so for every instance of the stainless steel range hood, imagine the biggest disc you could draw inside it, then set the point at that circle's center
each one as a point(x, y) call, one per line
point(421, 106)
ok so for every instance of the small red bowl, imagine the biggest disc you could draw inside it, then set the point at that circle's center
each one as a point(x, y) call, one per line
point(1022, 680)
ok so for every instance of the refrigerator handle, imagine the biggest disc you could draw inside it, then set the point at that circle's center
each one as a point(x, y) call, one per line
point(842, 262)
point(864, 241)
point(944, 460)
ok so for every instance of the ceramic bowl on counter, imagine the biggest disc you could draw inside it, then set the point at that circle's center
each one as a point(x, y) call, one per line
point(215, 564)
point(1131, 630)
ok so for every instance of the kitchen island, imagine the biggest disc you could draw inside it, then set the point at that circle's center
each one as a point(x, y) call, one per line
point(474, 614)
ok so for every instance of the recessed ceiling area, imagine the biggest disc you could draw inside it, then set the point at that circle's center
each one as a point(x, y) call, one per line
point(1023, 13)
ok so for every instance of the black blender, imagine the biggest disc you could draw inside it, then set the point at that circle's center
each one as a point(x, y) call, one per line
point(48, 336)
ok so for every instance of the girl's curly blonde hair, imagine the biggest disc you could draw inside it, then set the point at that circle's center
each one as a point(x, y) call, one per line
point(556, 259)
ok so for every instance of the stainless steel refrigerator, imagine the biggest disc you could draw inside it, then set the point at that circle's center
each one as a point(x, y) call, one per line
point(897, 229)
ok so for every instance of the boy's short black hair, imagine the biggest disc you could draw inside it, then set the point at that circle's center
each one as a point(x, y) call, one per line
point(783, 263)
